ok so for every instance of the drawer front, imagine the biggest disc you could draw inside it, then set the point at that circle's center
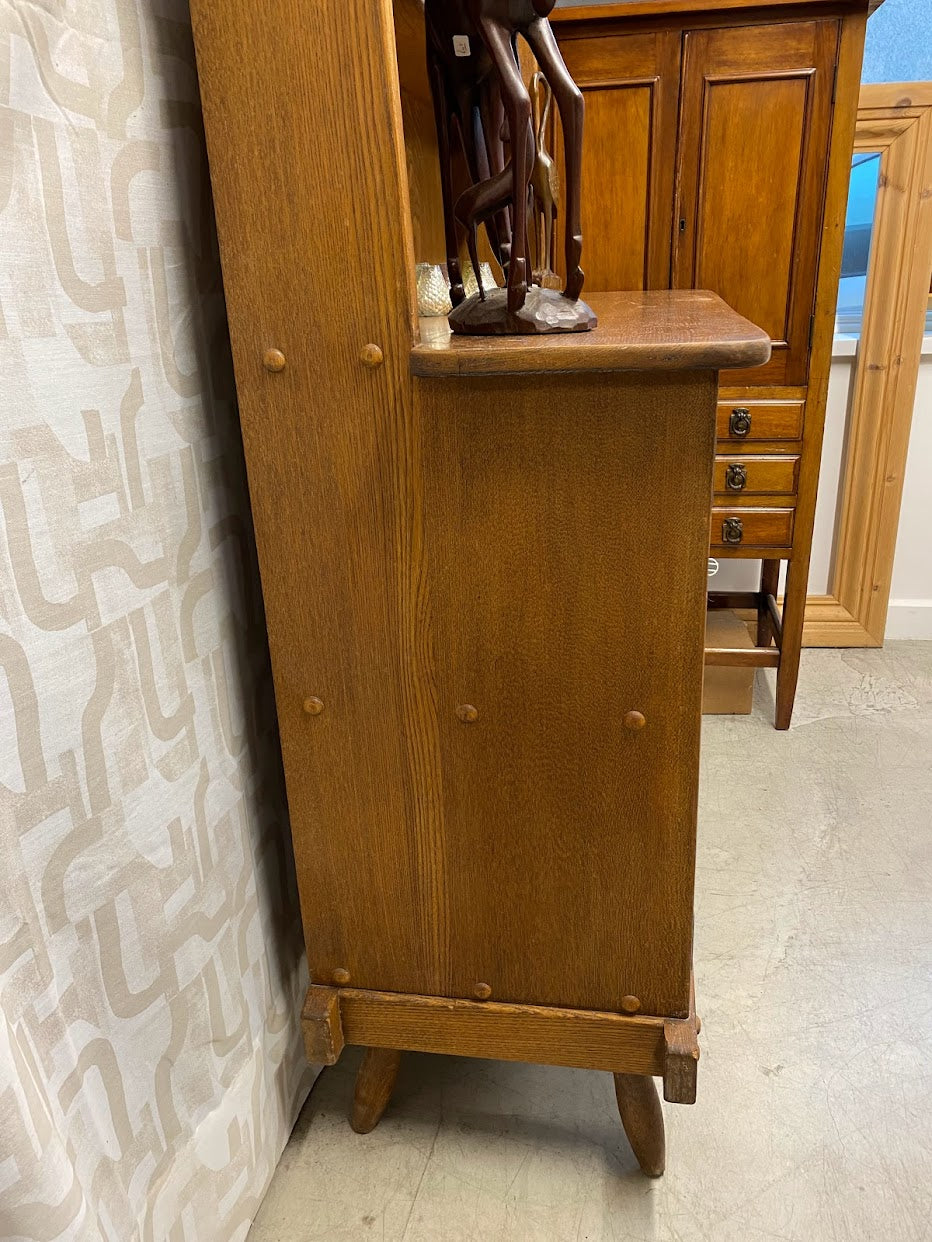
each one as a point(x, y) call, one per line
point(740, 422)
point(737, 529)
point(756, 475)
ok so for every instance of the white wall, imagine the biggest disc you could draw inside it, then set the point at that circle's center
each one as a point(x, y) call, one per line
point(833, 448)
point(910, 614)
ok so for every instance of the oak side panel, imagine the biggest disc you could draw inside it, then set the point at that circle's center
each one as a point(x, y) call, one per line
point(425, 540)
point(308, 166)
point(569, 838)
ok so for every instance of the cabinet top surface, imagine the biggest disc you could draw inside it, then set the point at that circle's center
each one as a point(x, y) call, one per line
point(659, 330)
point(583, 10)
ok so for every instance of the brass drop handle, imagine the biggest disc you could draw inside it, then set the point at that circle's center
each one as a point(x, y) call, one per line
point(739, 424)
point(736, 477)
point(732, 530)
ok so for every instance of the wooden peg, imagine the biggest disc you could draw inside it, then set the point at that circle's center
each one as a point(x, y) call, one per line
point(274, 360)
point(313, 706)
point(482, 991)
point(467, 713)
point(341, 976)
point(630, 1004)
point(634, 720)
point(371, 356)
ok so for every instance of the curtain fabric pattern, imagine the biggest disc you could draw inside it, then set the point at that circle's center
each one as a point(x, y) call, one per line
point(151, 961)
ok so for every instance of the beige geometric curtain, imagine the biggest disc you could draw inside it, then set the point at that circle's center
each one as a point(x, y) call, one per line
point(151, 962)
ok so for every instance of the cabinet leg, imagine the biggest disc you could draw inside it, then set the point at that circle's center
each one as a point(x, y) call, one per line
point(769, 585)
point(642, 1118)
point(794, 614)
point(374, 1084)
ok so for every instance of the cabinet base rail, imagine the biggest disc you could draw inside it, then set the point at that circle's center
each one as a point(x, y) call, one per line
point(633, 1049)
point(586, 1039)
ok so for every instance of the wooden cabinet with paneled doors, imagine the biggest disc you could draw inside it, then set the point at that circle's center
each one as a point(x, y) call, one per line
point(717, 148)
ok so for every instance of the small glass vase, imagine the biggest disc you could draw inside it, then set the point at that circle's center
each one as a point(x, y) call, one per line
point(433, 286)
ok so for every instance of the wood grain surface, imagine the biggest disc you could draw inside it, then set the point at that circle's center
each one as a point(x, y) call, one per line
point(741, 657)
point(642, 1117)
point(749, 227)
point(838, 175)
point(567, 839)
point(631, 85)
point(765, 232)
point(769, 420)
point(544, 1036)
point(322, 1026)
point(375, 1081)
point(896, 121)
point(663, 330)
point(682, 1060)
point(319, 266)
point(574, 11)
point(761, 528)
point(460, 574)
point(762, 475)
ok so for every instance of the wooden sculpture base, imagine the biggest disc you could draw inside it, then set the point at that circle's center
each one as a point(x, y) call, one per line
point(545, 311)
point(633, 1049)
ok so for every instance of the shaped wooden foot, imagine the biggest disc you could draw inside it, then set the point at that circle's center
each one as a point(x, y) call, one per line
point(642, 1118)
point(374, 1084)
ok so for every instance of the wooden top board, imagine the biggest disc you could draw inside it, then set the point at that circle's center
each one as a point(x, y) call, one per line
point(600, 10)
point(669, 329)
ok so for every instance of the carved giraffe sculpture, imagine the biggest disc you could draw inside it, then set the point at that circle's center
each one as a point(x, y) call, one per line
point(467, 105)
point(475, 78)
point(545, 182)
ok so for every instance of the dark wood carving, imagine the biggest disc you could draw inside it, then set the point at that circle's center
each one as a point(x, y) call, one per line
point(481, 101)
point(545, 185)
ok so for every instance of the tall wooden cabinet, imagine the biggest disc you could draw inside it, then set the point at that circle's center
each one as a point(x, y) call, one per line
point(717, 152)
point(489, 701)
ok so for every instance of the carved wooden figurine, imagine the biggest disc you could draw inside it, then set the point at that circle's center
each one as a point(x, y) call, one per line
point(545, 185)
point(476, 82)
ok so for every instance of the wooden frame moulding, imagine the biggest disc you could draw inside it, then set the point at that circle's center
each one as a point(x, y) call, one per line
point(584, 1039)
point(896, 120)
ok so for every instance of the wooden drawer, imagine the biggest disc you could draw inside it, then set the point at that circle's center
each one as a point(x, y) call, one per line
point(756, 475)
point(743, 422)
point(751, 528)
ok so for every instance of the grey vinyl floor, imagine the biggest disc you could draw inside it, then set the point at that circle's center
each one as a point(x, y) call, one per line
point(814, 981)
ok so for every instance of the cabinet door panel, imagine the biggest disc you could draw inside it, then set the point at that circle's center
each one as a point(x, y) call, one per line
point(631, 86)
point(754, 137)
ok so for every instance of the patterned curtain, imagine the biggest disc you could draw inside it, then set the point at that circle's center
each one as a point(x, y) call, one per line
point(151, 961)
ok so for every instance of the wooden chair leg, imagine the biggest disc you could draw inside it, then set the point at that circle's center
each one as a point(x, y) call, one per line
point(769, 585)
point(794, 615)
point(374, 1084)
point(642, 1118)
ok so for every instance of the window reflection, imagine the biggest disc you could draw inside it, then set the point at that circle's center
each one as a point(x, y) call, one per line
point(859, 225)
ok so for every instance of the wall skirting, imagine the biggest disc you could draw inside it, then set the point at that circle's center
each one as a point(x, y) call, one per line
point(909, 618)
